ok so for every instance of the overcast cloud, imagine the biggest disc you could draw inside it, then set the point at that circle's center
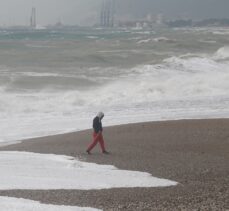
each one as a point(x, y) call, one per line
point(49, 11)
point(13, 12)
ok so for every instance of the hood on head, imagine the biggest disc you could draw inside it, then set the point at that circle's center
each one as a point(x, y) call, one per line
point(100, 115)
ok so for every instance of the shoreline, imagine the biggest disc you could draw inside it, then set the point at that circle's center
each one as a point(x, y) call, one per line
point(34, 138)
point(192, 152)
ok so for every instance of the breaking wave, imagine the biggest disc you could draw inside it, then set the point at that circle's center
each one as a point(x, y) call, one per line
point(222, 53)
point(168, 82)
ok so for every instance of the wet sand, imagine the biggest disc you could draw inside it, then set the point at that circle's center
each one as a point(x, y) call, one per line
point(194, 153)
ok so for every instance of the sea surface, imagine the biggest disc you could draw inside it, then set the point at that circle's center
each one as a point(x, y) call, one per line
point(55, 81)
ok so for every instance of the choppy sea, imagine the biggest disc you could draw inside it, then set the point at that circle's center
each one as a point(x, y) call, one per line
point(55, 81)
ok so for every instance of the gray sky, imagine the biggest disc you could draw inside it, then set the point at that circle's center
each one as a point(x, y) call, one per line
point(14, 12)
point(195, 9)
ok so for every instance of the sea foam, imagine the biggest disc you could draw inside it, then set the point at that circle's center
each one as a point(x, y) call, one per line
point(25, 170)
point(176, 80)
point(39, 102)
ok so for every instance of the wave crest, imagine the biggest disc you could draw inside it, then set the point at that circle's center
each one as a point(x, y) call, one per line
point(222, 53)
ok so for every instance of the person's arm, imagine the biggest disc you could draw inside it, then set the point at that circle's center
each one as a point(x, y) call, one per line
point(97, 125)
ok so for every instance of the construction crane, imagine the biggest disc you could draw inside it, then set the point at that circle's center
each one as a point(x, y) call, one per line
point(33, 21)
point(107, 13)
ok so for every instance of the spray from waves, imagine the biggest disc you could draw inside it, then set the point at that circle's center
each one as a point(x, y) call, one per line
point(222, 53)
point(176, 78)
point(178, 87)
point(188, 77)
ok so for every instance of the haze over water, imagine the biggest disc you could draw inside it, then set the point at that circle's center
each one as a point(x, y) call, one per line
point(56, 81)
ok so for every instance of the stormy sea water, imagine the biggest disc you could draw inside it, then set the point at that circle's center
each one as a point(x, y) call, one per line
point(55, 81)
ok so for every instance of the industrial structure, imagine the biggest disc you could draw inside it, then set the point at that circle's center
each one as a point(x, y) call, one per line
point(33, 21)
point(107, 13)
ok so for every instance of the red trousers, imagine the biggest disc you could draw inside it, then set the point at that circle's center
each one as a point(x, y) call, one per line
point(97, 137)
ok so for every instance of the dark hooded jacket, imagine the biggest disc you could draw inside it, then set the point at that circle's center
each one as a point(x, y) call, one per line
point(97, 124)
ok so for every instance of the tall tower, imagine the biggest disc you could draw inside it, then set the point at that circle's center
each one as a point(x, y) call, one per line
point(102, 15)
point(33, 20)
point(112, 12)
point(107, 13)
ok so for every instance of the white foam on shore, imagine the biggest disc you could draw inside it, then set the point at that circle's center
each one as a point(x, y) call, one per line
point(15, 204)
point(25, 170)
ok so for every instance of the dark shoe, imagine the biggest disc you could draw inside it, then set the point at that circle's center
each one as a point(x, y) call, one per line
point(105, 152)
point(88, 152)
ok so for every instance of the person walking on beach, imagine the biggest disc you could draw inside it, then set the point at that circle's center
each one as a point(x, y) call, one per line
point(97, 134)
